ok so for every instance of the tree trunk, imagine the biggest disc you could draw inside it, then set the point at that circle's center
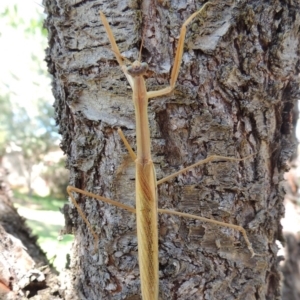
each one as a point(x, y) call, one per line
point(234, 97)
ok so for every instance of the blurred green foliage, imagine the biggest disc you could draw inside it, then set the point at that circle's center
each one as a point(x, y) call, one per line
point(26, 117)
point(27, 122)
point(38, 202)
point(13, 19)
point(43, 216)
point(6, 117)
point(56, 175)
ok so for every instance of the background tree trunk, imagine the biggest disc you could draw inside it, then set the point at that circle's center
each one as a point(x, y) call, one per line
point(15, 225)
point(22, 262)
point(234, 96)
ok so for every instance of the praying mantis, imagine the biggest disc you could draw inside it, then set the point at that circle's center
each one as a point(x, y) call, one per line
point(146, 183)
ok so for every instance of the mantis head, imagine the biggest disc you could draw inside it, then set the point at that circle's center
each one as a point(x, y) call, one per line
point(137, 68)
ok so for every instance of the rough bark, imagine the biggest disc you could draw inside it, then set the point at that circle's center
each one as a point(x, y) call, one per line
point(235, 93)
point(21, 258)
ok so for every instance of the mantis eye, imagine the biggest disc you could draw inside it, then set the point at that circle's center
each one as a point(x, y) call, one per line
point(144, 65)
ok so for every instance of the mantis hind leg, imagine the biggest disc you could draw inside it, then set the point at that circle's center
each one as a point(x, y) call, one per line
point(72, 189)
point(206, 160)
point(186, 215)
point(232, 226)
point(202, 162)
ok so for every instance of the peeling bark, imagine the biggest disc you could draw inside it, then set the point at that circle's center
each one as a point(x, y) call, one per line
point(234, 96)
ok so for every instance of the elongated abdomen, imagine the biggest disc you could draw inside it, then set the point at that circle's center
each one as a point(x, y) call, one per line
point(147, 232)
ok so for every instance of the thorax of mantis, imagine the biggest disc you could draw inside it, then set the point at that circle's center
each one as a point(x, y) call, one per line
point(146, 183)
